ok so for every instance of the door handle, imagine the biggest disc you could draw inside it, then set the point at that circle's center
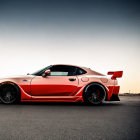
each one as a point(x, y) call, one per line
point(72, 79)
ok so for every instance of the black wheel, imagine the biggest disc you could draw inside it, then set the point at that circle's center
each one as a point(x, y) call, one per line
point(9, 93)
point(94, 93)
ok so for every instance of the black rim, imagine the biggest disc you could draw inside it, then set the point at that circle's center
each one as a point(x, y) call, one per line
point(8, 93)
point(95, 94)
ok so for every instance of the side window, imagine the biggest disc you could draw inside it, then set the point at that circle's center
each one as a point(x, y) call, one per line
point(62, 70)
point(80, 71)
point(58, 73)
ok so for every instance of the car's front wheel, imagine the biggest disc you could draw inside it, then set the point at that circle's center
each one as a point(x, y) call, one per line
point(9, 93)
point(94, 93)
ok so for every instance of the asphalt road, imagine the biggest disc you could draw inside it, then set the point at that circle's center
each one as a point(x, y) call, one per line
point(63, 121)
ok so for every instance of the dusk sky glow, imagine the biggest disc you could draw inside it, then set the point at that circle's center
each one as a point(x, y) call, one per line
point(102, 35)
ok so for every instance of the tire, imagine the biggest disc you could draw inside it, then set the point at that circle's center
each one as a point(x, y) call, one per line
point(94, 94)
point(9, 93)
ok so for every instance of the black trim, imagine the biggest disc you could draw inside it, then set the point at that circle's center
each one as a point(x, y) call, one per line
point(114, 97)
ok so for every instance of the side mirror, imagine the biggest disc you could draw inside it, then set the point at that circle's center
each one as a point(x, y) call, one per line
point(46, 73)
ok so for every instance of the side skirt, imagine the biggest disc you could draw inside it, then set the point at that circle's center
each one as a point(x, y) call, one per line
point(52, 99)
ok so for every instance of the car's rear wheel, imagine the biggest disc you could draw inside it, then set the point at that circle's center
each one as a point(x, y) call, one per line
point(94, 93)
point(9, 93)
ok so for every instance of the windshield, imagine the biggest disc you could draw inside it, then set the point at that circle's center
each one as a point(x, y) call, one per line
point(41, 71)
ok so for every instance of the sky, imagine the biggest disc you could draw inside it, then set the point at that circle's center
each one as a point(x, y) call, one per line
point(102, 35)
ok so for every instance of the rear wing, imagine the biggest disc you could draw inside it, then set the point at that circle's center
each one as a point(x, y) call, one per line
point(115, 74)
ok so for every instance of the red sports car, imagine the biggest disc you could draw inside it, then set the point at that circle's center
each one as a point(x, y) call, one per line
point(61, 83)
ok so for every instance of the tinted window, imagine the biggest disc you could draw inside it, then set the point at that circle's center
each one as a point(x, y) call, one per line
point(80, 71)
point(62, 70)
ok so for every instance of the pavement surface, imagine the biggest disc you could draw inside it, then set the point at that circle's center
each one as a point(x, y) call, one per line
point(64, 121)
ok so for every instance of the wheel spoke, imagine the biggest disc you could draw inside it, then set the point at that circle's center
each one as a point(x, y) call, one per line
point(94, 96)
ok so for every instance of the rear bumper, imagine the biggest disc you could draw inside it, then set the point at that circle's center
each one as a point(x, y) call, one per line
point(113, 93)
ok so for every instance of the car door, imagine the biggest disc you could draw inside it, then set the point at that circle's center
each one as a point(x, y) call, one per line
point(61, 82)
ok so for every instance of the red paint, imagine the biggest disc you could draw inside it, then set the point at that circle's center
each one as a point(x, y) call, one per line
point(53, 86)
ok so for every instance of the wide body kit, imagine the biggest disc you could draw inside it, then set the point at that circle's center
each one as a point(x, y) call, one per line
point(63, 88)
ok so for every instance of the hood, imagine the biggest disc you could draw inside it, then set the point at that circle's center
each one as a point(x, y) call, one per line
point(17, 79)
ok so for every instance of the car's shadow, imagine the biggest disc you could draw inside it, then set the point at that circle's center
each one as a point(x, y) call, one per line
point(70, 104)
point(65, 104)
